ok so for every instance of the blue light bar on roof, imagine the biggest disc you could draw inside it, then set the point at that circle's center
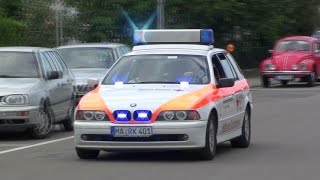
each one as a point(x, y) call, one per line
point(173, 36)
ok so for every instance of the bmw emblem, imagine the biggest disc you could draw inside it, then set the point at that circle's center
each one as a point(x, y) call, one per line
point(133, 105)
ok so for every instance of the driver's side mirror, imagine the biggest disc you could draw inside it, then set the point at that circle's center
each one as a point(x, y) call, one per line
point(317, 51)
point(54, 75)
point(271, 51)
point(93, 82)
point(226, 82)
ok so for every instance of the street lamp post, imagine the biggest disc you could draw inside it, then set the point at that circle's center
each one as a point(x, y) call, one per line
point(160, 14)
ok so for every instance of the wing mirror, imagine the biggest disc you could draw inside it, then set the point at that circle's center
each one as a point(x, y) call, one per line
point(271, 51)
point(226, 82)
point(93, 82)
point(54, 75)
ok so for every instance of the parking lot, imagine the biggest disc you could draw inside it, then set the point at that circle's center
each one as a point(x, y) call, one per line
point(284, 145)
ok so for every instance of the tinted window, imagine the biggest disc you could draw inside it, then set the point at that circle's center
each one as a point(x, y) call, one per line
point(159, 69)
point(18, 65)
point(87, 57)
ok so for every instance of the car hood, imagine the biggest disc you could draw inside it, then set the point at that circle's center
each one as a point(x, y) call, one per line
point(284, 61)
point(16, 85)
point(83, 74)
point(150, 98)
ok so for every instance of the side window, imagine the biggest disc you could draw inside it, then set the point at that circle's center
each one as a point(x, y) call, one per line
point(118, 52)
point(56, 61)
point(217, 68)
point(50, 61)
point(61, 61)
point(123, 50)
point(316, 47)
point(235, 66)
point(227, 67)
point(46, 65)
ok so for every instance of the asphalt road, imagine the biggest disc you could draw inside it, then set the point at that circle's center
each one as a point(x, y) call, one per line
point(285, 145)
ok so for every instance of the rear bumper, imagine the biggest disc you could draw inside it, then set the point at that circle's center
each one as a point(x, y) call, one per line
point(12, 118)
point(194, 130)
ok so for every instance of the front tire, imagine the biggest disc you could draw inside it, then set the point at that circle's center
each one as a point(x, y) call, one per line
point(208, 152)
point(68, 123)
point(87, 153)
point(44, 128)
point(243, 141)
point(311, 80)
point(284, 82)
point(265, 82)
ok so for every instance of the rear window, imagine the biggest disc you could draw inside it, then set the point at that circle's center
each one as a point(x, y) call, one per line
point(18, 65)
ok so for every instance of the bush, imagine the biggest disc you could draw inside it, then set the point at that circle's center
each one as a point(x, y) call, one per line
point(11, 32)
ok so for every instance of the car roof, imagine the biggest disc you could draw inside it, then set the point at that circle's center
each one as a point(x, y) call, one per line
point(21, 49)
point(107, 45)
point(173, 49)
point(305, 38)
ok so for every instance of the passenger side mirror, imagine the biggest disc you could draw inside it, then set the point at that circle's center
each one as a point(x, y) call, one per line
point(93, 83)
point(226, 82)
point(54, 75)
point(271, 51)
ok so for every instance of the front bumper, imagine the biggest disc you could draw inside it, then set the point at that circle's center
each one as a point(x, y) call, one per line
point(293, 74)
point(15, 117)
point(195, 131)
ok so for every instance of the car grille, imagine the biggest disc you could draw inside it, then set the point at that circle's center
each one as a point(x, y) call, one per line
point(153, 138)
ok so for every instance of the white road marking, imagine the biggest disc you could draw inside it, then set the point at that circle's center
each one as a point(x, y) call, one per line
point(35, 145)
point(9, 145)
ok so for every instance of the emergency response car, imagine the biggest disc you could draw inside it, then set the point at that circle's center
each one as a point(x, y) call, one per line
point(174, 91)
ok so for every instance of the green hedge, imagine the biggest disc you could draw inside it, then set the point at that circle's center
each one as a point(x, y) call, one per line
point(11, 32)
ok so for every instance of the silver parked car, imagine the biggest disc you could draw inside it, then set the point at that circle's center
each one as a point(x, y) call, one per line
point(36, 90)
point(91, 60)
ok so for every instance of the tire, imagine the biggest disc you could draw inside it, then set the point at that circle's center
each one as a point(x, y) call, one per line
point(284, 82)
point(265, 82)
point(44, 129)
point(68, 123)
point(87, 153)
point(311, 79)
point(243, 141)
point(208, 152)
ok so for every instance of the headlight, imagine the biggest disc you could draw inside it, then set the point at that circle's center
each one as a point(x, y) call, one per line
point(303, 66)
point(270, 67)
point(295, 67)
point(15, 99)
point(91, 115)
point(178, 115)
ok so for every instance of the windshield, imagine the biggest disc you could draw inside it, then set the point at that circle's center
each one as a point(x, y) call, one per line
point(18, 65)
point(172, 69)
point(87, 57)
point(293, 45)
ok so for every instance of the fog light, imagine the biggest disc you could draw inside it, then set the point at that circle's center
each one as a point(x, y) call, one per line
point(84, 137)
point(185, 137)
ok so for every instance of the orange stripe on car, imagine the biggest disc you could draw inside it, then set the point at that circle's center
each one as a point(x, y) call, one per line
point(94, 102)
point(192, 100)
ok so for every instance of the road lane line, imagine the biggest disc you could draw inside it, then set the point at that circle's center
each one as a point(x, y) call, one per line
point(8, 145)
point(35, 145)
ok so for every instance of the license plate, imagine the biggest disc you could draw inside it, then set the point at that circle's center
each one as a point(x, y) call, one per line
point(121, 131)
point(284, 77)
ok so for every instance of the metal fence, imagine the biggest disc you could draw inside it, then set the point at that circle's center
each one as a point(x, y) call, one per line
point(47, 24)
